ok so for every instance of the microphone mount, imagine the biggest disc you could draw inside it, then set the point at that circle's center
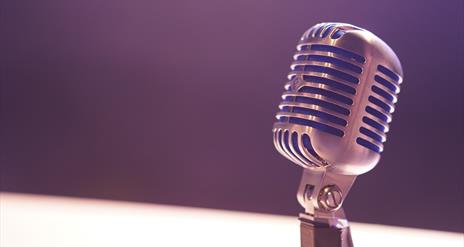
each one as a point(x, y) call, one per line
point(321, 193)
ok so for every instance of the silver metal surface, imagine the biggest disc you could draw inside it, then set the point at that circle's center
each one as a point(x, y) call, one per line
point(330, 198)
point(335, 114)
point(317, 181)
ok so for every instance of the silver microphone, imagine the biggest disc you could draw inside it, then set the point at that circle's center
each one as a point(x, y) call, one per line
point(333, 120)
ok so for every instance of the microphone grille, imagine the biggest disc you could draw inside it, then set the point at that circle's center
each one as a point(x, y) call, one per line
point(378, 111)
point(334, 90)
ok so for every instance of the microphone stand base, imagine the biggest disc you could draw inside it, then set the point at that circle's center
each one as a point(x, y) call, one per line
point(315, 234)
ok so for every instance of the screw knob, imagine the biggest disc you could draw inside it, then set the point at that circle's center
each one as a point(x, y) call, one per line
point(330, 198)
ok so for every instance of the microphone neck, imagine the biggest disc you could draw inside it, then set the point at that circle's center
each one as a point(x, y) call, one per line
point(321, 193)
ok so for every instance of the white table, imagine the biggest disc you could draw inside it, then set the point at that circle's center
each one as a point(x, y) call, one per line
point(35, 221)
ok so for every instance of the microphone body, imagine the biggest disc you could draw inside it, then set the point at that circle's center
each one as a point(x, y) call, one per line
point(333, 119)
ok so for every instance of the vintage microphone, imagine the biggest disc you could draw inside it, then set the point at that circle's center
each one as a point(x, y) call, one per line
point(333, 121)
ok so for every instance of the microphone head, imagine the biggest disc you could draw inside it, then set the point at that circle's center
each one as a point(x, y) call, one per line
point(339, 100)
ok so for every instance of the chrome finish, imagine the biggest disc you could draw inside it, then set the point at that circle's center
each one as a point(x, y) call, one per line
point(318, 180)
point(330, 198)
point(335, 114)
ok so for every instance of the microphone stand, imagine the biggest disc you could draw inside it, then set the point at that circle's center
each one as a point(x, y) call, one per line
point(324, 224)
point(314, 234)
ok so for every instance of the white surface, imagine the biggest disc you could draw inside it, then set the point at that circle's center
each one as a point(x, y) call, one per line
point(36, 221)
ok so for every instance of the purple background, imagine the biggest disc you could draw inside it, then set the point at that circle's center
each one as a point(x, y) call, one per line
point(173, 102)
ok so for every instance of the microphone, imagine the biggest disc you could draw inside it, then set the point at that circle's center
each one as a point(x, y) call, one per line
point(333, 120)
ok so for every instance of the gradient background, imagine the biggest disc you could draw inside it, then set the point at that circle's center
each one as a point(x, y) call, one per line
point(173, 102)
